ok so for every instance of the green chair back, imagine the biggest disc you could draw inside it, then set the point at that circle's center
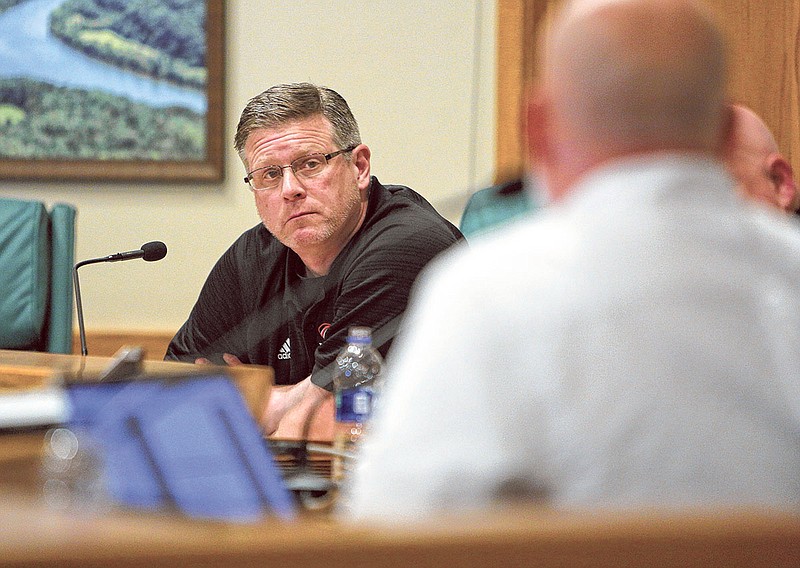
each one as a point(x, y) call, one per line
point(493, 207)
point(37, 253)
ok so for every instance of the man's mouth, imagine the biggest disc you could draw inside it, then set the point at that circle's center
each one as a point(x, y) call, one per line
point(299, 215)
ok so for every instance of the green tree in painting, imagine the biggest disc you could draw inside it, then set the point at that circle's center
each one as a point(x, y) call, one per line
point(6, 4)
point(47, 122)
point(161, 38)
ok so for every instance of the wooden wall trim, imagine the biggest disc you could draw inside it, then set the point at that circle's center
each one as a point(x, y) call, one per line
point(765, 69)
point(764, 41)
point(105, 343)
point(510, 69)
point(518, 22)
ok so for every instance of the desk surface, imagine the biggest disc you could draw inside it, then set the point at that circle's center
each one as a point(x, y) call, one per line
point(19, 454)
point(33, 535)
point(254, 381)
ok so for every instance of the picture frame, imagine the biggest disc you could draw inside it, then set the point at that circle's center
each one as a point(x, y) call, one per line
point(201, 161)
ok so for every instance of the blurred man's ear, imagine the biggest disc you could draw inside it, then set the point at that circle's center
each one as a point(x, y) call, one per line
point(727, 144)
point(534, 128)
point(541, 153)
point(782, 178)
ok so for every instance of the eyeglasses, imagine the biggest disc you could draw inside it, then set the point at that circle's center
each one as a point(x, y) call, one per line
point(305, 167)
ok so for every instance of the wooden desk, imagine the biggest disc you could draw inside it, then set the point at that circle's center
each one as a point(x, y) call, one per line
point(33, 535)
point(20, 453)
point(254, 381)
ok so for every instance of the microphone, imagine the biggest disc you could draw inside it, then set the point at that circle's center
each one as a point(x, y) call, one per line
point(155, 250)
point(150, 252)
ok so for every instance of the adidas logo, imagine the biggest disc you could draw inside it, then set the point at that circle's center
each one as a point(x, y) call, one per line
point(285, 352)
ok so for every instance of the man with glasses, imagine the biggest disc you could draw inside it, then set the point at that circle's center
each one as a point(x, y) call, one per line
point(335, 248)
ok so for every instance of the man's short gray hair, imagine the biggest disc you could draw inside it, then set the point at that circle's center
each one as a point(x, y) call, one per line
point(287, 103)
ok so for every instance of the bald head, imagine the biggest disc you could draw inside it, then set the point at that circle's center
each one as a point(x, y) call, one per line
point(749, 133)
point(621, 77)
point(752, 156)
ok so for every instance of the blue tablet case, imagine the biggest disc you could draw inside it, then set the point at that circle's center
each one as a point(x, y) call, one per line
point(188, 444)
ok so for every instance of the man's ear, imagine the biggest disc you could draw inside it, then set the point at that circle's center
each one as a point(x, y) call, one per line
point(360, 160)
point(546, 159)
point(782, 179)
point(534, 128)
point(729, 127)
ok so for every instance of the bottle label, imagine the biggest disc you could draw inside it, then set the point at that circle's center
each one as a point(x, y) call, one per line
point(354, 405)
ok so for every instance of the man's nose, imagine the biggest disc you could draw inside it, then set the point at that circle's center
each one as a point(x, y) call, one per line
point(291, 188)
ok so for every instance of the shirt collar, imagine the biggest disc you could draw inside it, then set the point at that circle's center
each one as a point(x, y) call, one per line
point(671, 176)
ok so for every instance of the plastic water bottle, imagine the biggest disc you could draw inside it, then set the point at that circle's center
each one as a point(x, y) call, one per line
point(359, 366)
point(73, 472)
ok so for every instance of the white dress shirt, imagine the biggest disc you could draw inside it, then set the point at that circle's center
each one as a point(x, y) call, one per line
point(637, 344)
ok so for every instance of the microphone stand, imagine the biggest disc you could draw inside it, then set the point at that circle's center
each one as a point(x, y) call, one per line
point(151, 251)
point(79, 304)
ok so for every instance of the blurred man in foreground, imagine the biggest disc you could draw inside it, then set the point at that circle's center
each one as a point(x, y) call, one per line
point(756, 163)
point(634, 344)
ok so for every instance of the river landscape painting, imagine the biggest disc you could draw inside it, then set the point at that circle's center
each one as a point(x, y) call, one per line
point(111, 90)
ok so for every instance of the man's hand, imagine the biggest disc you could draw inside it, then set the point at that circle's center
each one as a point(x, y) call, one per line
point(231, 360)
point(295, 412)
point(298, 411)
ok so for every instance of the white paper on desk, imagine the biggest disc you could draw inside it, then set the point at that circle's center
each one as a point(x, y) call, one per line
point(38, 407)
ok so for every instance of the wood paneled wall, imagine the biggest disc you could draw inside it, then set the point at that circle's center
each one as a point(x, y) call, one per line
point(764, 39)
point(517, 23)
point(764, 54)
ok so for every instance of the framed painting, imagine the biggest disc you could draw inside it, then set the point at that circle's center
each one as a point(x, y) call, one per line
point(111, 90)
